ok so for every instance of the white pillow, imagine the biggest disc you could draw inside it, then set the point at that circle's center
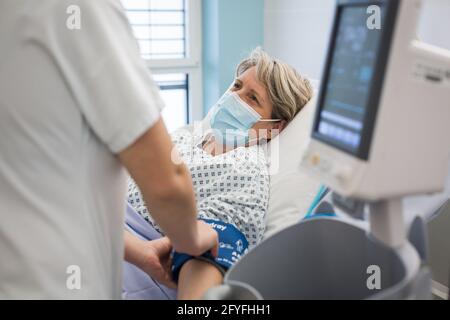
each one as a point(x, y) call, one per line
point(292, 190)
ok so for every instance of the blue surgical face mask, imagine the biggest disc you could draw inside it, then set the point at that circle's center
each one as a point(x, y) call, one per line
point(232, 119)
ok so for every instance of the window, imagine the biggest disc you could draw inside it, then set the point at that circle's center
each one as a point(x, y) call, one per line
point(169, 37)
point(174, 91)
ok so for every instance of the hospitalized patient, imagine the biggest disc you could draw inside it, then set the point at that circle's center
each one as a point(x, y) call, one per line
point(229, 168)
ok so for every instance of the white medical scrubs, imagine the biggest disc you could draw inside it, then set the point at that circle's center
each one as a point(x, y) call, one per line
point(70, 100)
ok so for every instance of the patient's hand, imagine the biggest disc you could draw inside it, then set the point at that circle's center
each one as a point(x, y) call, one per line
point(157, 262)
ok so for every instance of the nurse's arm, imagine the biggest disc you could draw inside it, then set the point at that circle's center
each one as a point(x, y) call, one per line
point(167, 190)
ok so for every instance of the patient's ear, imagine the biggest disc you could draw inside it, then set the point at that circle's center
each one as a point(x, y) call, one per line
point(282, 125)
point(277, 128)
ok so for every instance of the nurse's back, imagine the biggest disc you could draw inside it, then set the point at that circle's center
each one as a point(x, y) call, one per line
point(77, 104)
point(62, 121)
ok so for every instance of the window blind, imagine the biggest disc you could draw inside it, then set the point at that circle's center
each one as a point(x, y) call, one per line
point(159, 27)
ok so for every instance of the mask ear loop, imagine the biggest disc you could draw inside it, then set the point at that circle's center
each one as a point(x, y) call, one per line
point(270, 120)
point(264, 139)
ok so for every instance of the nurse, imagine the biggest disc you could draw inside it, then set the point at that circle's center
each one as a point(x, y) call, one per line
point(77, 110)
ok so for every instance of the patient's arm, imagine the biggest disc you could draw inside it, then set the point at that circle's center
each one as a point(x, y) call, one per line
point(196, 277)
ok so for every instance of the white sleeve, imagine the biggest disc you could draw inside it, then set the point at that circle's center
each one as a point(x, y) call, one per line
point(102, 66)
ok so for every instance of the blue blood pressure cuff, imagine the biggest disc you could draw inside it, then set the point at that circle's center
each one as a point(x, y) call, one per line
point(232, 245)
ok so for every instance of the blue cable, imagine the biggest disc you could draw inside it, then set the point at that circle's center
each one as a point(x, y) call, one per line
point(316, 201)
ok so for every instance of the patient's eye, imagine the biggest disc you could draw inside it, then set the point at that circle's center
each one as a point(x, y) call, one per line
point(255, 99)
point(236, 85)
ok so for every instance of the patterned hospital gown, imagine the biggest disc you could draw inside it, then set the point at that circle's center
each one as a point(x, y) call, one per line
point(232, 187)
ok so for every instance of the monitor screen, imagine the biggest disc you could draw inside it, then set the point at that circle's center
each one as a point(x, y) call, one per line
point(348, 90)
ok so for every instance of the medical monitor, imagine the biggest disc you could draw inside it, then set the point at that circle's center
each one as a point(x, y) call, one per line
point(381, 126)
point(354, 73)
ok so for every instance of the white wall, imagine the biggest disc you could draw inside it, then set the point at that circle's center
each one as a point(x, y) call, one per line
point(434, 26)
point(297, 31)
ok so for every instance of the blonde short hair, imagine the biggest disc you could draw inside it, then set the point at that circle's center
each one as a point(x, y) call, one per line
point(288, 91)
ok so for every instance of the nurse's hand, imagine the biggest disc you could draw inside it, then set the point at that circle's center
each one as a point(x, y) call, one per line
point(157, 262)
point(153, 257)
